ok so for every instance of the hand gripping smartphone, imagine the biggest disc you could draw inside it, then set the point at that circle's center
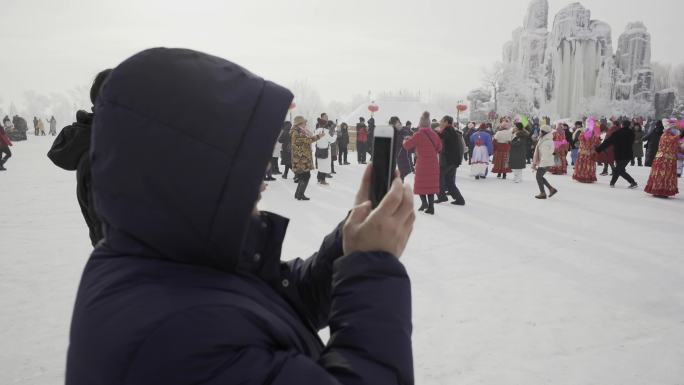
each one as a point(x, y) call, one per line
point(384, 163)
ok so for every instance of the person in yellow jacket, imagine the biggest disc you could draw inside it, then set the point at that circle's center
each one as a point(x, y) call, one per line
point(302, 156)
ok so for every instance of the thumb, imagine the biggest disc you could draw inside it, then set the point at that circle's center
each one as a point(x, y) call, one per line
point(360, 213)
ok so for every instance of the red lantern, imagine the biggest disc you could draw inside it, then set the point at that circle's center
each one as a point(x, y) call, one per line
point(292, 106)
point(373, 107)
point(462, 108)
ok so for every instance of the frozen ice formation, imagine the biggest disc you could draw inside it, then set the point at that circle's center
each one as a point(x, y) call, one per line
point(574, 61)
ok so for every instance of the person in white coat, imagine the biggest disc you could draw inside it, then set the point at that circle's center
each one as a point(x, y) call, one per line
point(543, 160)
point(323, 152)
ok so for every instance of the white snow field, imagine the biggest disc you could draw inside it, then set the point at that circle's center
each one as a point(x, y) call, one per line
point(584, 288)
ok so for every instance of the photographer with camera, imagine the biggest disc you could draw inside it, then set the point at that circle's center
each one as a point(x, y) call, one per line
point(187, 285)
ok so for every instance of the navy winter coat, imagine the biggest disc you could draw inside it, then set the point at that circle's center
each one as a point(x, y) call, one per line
point(70, 151)
point(187, 287)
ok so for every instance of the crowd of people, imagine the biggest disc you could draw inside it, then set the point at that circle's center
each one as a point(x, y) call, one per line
point(216, 262)
point(15, 130)
point(612, 143)
point(434, 150)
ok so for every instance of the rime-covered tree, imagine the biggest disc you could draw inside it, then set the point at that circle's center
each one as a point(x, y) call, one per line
point(492, 79)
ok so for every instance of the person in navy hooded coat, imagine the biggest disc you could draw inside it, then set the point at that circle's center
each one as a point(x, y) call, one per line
point(187, 286)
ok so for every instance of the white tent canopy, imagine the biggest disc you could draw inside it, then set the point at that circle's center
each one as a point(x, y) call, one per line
point(405, 107)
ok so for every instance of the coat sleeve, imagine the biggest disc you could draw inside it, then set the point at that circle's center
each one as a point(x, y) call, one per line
point(438, 143)
point(410, 143)
point(488, 142)
point(311, 280)
point(370, 343)
point(606, 142)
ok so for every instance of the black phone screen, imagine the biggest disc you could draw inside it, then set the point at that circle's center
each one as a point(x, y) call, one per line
point(384, 165)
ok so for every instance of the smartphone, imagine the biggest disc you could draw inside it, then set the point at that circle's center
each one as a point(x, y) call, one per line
point(384, 163)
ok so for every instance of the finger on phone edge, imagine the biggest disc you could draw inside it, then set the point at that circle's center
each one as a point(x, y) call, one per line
point(392, 200)
point(364, 189)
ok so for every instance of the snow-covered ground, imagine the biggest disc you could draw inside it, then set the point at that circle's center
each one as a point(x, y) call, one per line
point(585, 288)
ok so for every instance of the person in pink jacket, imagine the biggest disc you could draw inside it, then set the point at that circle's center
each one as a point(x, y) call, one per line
point(428, 146)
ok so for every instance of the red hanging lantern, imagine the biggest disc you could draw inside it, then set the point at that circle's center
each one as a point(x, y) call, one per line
point(373, 107)
point(462, 107)
point(292, 106)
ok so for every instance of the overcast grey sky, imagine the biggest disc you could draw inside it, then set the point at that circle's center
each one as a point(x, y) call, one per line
point(341, 47)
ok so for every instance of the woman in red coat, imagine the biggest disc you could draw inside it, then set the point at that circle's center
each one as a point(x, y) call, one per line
point(427, 145)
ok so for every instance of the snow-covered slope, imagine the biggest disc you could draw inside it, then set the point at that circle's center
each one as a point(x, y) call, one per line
point(585, 288)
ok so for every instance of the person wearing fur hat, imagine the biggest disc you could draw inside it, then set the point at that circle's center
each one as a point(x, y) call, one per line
point(502, 148)
point(481, 141)
point(302, 158)
point(361, 140)
point(427, 145)
point(543, 160)
point(662, 182)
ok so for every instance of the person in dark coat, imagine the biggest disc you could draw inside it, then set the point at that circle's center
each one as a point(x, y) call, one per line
point(361, 140)
point(450, 159)
point(622, 141)
point(53, 125)
point(607, 157)
point(638, 147)
point(412, 153)
point(470, 129)
point(20, 128)
point(286, 150)
point(652, 140)
point(568, 138)
point(70, 151)
point(402, 156)
point(343, 144)
point(371, 137)
point(187, 286)
point(517, 157)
